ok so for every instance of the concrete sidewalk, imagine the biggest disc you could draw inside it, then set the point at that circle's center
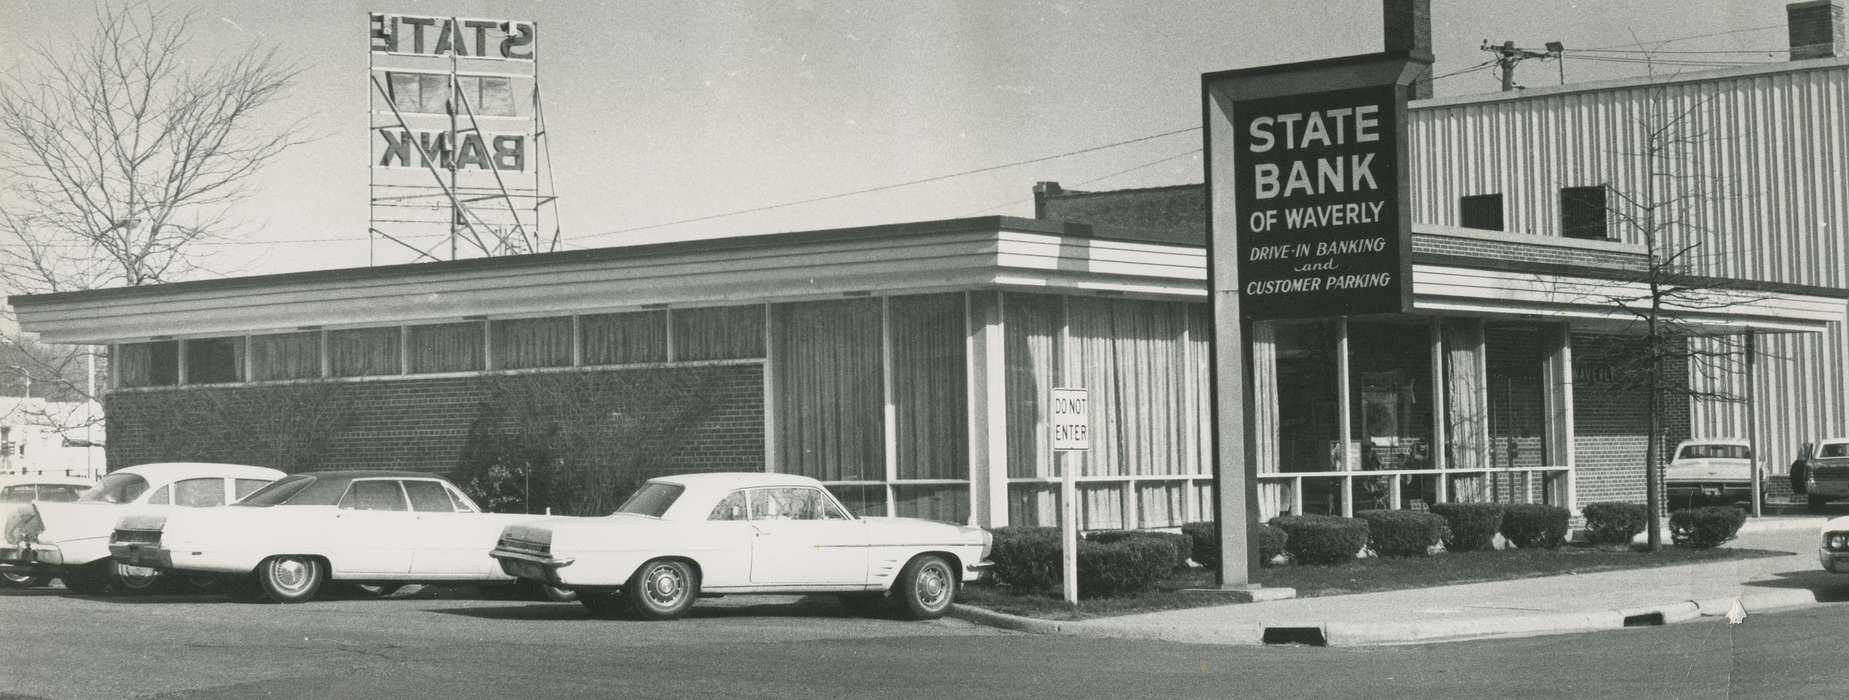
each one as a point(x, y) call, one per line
point(1516, 608)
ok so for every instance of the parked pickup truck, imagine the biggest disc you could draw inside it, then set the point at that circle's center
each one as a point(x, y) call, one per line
point(1821, 473)
point(1715, 469)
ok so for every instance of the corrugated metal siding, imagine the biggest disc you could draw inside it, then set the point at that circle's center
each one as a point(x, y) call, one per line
point(1759, 181)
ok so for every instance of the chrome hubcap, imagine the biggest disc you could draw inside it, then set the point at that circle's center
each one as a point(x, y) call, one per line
point(136, 576)
point(933, 586)
point(665, 585)
point(290, 574)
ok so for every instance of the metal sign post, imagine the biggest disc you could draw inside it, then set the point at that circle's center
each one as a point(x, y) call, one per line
point(1071, 426)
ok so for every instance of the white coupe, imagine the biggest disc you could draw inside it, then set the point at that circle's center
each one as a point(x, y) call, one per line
point(680, 537)
point(370, 527)
point(70, 541)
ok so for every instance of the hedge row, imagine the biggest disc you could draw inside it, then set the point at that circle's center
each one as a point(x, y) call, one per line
point(1206, 539)
point(1110, 563)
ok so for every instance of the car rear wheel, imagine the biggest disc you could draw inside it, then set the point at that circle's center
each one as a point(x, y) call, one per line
point(663, 589)
point(1815, 503)
point(17, 580)
point(928, 585)
point(291, 578)
point(129, 578)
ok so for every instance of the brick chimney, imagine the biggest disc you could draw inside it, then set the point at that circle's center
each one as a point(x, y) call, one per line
point(1408, 28)
point(1816, 29)
point(1042, 190)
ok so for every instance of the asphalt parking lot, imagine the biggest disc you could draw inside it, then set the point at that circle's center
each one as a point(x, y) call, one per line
point(431, 643)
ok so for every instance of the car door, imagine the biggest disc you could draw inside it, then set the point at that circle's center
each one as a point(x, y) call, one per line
point(802, 537)
point(372, 530)
point(452, 541)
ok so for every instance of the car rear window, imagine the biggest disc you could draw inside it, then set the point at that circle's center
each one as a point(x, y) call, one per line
point(1835, 449)
point(652, 499)
point(59, 494)
point(1716, 452)
point(278, 492)
point(115, 488)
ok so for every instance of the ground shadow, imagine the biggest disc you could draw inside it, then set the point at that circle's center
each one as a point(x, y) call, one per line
point(819, 607)
point(1828, 587)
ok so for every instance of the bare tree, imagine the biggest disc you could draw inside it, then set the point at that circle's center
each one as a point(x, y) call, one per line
point(1675, 282)
point(121, 152)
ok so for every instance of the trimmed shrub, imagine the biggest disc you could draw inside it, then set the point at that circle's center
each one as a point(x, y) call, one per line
point(1473, 526)
point(1535, 526)
point(1180, 545)
point(1026, 558)
point(1322, 539)
point(1613, 522)
point(1402, 533)
point(1206, 539)
point(1127, 565)
point(1705, 528)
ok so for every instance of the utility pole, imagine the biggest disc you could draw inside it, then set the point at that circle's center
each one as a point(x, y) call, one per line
point(1507, 55)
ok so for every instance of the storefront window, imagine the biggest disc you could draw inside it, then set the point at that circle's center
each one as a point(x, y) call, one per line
point(1307, 397)
point(721, 333)
point(148, 364)
point(625, 338)
point(361, 352)
point(445, 347)
point(215, 360)
point(1390, 385)
point(532, 342)
point(286, 356)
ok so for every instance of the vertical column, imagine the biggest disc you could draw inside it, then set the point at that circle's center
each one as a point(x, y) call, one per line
point(250, 366)
point(988, 408)
point(182, 376)
point(889, 411)
point(404, 349)
point(1440, 455)
point(327, 359)
point(770, 391)
point(1345, 431)
point(577, 340)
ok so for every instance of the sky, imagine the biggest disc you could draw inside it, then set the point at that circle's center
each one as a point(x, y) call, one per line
point(660, 112)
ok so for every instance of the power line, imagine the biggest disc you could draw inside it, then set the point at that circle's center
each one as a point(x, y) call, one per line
point(1100, 178)
point(1686, 38)
point(892, 186)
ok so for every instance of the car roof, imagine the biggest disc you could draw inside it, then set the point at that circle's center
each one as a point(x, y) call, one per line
point(734, 480)
point(45, 479)
point(351, 474)
point(166, 471)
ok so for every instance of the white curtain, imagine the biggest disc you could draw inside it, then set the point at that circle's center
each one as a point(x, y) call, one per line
point(532, 342)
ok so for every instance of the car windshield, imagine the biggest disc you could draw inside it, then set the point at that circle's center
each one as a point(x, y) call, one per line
point(1715, 452)
point(652, 499)
point(115, 488)
point(277, 492)
point(1831, 450)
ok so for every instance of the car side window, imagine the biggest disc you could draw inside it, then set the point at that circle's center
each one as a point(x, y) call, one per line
point(162, 496)
point(1840, 449)
point(459, 501)
point(377, 494)
point(812, 504)
point(428, 497)
point(199, 493)
point(732, 507)
point(792, 503)
point(17, 494)
point(58, 494)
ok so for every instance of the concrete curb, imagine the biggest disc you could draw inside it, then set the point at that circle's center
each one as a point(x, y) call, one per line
point(1776, 523)
point(1340, 633)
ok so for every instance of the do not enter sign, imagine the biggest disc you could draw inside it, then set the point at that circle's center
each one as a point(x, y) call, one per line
point(1071, 420)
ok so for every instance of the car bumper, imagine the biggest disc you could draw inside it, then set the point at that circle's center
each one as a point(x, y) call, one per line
point(43, 559)
point(531, 566)
point(1833, 562)
point(138, 554)
point(1710, 489)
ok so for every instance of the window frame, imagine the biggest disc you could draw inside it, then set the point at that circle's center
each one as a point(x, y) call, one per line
point(353, 491)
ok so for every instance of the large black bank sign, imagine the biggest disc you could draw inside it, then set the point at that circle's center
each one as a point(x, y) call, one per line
point(1318, 215)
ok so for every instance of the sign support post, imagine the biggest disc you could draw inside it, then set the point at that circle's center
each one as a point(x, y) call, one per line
point(1071, 426)
point(1308, 218)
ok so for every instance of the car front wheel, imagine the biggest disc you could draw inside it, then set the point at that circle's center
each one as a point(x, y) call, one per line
point(928, 585)
point(17, 580)
point(663, 589)
point(290, 578)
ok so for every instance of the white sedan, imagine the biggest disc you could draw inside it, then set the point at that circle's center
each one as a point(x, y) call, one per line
point(1833, 549)
point(376, 527)
point(70, 541)
point(679, 537)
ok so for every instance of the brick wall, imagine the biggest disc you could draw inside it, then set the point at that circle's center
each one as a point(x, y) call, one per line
point(1610, 418)
point(1513, 251)
point(424, 424)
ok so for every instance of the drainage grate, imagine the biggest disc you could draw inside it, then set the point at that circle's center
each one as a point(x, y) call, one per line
point(1312, 636)
point(1650, 619)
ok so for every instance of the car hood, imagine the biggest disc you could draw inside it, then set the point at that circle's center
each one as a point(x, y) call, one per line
point(1837, 525)
point(1701, 469)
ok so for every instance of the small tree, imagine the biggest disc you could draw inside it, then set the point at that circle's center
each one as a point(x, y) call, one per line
point(122, 151)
